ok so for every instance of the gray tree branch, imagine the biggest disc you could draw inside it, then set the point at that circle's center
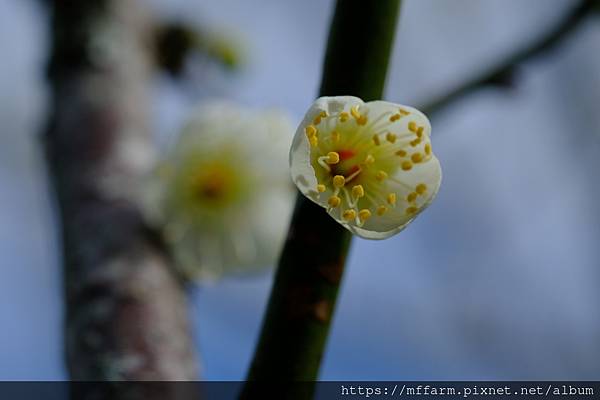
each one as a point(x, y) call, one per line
point(126, 314)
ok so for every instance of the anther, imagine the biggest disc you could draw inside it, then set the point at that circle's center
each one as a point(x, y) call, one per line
point(344, 116)
point(420, 131)
point(376, 140)
point(381, 176)
point(406, 166)
point(381, 210)
point(401, 153)
point(358, 191)
point(349, 215)
point(310, 131)
point(321, 188)
point(390, 137)
point(403, 111)
point(412, 126)
point(339, 181)
point(314, 141)
point(417, 158)
point(332, 158)
point(335, 136)
point(411, 210)
point(415, 142)
point(360, 119)
point(318, 118)
point(369, 159)
point(334, 201)
point(428, 149)
point(391, 199)
point(411, 197)
point(364, 214)
point(395, 117)
point(421, 188)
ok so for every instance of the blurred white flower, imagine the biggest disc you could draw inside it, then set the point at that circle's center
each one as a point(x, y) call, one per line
point(223, 193)
point(369, 164)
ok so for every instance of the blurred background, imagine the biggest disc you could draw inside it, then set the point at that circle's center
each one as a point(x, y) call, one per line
point(497, 280)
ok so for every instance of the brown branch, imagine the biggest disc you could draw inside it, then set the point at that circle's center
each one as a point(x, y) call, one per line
point(502, 74)
point(126, 314)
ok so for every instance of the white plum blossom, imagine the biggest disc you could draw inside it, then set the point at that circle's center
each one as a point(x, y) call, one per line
point(370, 165)
point(223, 193)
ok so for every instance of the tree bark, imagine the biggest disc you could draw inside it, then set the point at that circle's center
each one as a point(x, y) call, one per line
point(126, 313)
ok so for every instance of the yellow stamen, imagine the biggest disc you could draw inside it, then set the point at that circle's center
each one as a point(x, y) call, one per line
point(318, 118)
point(376, 140)
point(403, 111)
point(395, 117)
point(428, 149)
point(369, 159)
point(420, 131)
point(364, 214)
point(401, 153)
point(310, 131)
point(411, 197)
point(415, 142)
point(339, 181)
point(421, 188)
point(332, 158)
point(314, 141)
point(411, 210)
point(334, 201)
point(358, 191)
point(321, 188)
point(344, 116)
point(406, 165)
point(349, 215)
point(381, 176)
point(417, 158)
point(412, 126)
point(391, 199)
point(335, 136)
point(381, 210)
point(390, 137)
point(360, 119)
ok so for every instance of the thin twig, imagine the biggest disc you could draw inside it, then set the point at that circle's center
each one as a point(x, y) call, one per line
point(502, 74)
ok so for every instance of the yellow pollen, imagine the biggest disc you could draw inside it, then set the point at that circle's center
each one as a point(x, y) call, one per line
point(369, 159)
point(420, 131)
point(403, 111)
point(321, 188)
point(406, 165)
point(391, 199)
point(411, 210)
point(344, 116)
point(318, 118)
point(314, 141)
point(349, 215)
point(401, 153)
point(335, 136)
point(376, 140)
point(417, 158)
point(334, 201)
point(339, 181)
point(381, 210)
point(332, 158)
point(412, 126)
point(381, 176)
point(421, 188)
point(390, 137)
point(428, 149)
point(360, 119)
point(415, 142)
point(310, 131)
point(411, 197)
point(364, 214)
point(358, 191)
point(395, 117)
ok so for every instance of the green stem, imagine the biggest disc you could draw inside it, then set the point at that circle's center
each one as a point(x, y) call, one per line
point(311, 266)
point(501, 75)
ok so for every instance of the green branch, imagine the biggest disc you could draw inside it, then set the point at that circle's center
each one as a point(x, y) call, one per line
point(304, 292)
point(501, 75)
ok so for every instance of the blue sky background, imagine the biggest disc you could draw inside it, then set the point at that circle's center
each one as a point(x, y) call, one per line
point(497, 280)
